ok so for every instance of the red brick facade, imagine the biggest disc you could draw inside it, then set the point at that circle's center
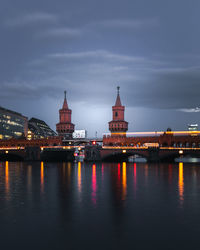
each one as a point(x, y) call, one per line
point(65, 127)
point(165, 140)
point(118, 124)
point(50, 141)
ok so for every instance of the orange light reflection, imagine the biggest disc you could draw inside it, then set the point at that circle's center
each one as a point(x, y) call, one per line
point(42, 176)
point(68, 171)
point(79, 176)
point(124, 185)
point(181, 183)
point(7, 187)
point(29, 173)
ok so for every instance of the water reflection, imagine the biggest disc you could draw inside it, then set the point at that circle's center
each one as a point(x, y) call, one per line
point(69, 172)
point(7, 183)
point(42, 176)
point(79, 177)
point(146, 172)
point(124, 186)
point(117, 182)
point(102, 171)
point(94, 184)
point(170, 173)
point(29, 177)
point(135, 178)
point(63, 169)
point(181, 183)
point(95, 198)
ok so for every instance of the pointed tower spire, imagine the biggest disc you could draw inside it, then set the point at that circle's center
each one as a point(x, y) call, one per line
point(118, 100)
point(65, 127)
point(65, 106)
point(118, 125)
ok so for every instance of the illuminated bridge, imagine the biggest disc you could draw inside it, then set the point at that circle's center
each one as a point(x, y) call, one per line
point(154, 146)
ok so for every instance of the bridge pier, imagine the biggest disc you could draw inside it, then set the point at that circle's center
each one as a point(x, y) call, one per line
point(32, 154)
point(153, 155)
point(54, 155)
point(92, 153)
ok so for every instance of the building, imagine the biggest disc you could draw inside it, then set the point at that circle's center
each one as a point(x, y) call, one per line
point(192, 127)
point(38, 129)
point(65, 127)
point(12, 124)
point(118, 125)
point(82, 134)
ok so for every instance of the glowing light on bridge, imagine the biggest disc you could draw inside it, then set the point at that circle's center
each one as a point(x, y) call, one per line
point(11, 148)
point(124, 184)
point(79, 176)
point(94, 184)
point(154, 133)
point(181, 183)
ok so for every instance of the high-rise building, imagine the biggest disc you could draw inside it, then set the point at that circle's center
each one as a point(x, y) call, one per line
point(65, 127)
point(38, 129)
point(12, 124)
point(118, 125)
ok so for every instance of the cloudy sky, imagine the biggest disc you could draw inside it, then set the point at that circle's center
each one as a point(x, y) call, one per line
point(150, 48)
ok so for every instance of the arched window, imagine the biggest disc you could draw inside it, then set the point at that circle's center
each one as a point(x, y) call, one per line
point(116, 114)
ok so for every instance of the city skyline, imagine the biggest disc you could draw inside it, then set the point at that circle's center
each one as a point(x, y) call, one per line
point(151, 50)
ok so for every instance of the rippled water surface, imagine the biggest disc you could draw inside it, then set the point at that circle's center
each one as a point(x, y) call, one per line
point(99, 206)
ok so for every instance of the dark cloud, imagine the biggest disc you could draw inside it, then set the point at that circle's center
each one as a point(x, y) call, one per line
point(149, 48)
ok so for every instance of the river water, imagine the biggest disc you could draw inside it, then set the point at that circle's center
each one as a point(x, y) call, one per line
point(99, 206)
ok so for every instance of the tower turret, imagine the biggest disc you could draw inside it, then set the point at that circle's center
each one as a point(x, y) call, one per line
point(118, 125)
point(65, 127)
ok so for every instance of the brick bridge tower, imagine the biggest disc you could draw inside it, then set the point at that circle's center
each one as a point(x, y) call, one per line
point(65, 127)
point(118, 125)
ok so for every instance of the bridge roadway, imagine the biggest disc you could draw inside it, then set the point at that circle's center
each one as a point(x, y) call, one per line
point(95, 153)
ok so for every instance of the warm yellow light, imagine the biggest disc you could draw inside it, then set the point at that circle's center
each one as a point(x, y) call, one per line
point(42, 175)
point(123, 151)
point(123, 180)
point(181, 182)
point(6, 152)
point(79, 176)
point(156, 133)
point(7, 178)
point(180, 152)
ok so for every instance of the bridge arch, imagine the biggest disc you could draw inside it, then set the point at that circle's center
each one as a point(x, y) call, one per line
point(120, 156)
point(11, 157)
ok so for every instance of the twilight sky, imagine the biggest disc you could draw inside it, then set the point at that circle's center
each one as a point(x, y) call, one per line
point(150, 48)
